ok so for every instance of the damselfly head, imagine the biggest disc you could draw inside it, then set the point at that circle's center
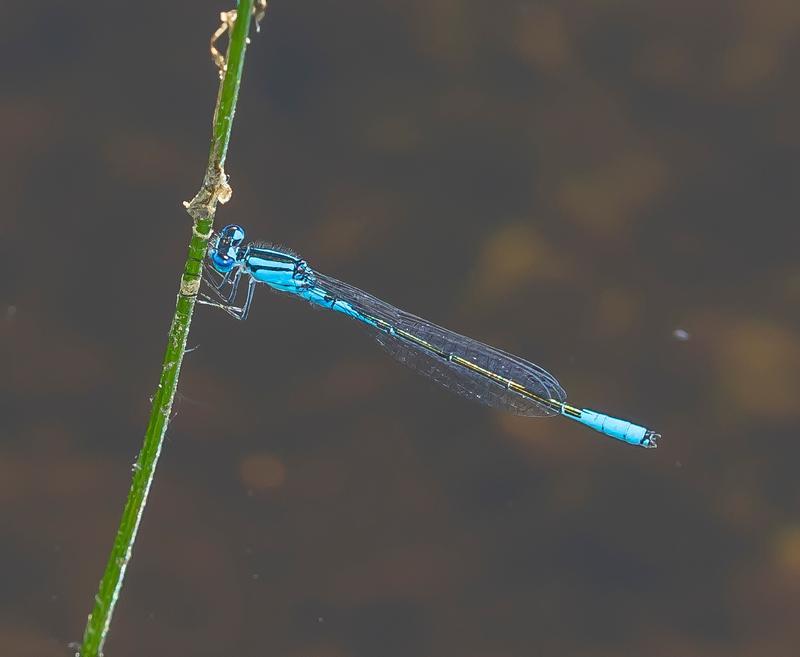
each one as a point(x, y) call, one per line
point(224, 250)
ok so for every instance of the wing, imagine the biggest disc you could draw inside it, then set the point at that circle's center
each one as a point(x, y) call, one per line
point(430, 350)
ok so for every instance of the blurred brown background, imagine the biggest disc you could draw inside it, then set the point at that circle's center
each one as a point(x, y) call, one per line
point(571, 181)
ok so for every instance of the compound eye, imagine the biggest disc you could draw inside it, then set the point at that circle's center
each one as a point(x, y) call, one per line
point(231, 236)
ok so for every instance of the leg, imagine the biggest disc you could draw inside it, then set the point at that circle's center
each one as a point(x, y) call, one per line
point(251, 286)
point(224, 279)
point(234, 284)
point(221, 280)
point(233, 311)
point(212, 278)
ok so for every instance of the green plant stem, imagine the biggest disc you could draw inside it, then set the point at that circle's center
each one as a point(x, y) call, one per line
point(202, 209)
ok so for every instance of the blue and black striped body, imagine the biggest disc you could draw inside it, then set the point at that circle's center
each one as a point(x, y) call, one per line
point(467, 367)
point(286, 272)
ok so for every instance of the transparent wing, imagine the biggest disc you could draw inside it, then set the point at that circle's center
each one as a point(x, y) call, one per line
point(432, 364)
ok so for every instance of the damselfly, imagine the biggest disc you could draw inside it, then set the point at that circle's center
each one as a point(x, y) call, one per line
point(467, 367)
